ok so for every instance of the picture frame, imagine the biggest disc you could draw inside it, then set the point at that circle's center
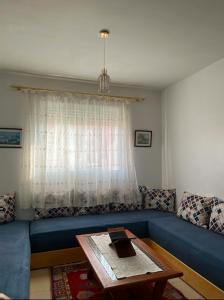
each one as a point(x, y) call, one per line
point(143, 138)
point(10, 138)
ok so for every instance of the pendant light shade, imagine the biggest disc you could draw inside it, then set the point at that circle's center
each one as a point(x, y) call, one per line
point(104, 78)
point(104, 81)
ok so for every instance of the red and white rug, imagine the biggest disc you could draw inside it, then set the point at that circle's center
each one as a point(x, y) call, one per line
point(71, 282)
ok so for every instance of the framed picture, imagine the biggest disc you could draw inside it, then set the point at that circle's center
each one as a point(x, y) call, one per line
point(143, 138)
point(10, 138)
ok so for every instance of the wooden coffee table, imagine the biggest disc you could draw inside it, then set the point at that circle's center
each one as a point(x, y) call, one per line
point(134, 287)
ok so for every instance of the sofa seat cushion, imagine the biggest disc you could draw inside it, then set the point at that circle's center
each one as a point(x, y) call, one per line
point(15, 259)
point(59, 233)
point(197, 247)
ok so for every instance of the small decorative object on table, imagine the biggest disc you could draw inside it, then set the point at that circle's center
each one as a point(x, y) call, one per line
point(10, 138)
point(121, 242)
point(143, 138)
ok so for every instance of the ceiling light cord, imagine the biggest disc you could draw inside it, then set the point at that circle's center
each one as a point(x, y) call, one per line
point(104, 54)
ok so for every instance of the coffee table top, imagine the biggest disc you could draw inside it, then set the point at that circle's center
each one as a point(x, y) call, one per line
point(105, 279)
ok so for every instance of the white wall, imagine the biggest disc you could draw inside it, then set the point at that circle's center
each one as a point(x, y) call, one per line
point(193, 133)
point(145, 115)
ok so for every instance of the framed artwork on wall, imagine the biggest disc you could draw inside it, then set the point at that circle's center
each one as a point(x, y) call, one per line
point(143, 138)
point(10, 138)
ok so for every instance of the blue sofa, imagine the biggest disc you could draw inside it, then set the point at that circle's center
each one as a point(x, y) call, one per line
point(199, 248)
point(59, 233)
point(15, 259)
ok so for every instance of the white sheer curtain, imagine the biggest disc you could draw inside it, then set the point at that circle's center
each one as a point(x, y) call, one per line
point(167, 170)
point(77, 152)
point(165, 183)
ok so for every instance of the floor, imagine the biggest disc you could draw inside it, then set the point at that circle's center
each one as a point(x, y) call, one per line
point(40, 286)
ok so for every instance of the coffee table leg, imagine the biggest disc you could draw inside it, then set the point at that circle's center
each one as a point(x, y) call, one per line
point(119, 294)
point(90, 274)
point(159, 289)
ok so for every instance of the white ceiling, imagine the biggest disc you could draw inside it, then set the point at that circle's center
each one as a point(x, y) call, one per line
point(152, 43)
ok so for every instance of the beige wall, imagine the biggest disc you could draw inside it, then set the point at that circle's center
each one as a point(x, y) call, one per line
point(145, 115)
point(193, 133)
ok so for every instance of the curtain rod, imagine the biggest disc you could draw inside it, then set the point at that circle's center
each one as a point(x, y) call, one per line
point(26, 88)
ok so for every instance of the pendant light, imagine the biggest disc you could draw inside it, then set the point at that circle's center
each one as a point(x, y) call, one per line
point(104, 78)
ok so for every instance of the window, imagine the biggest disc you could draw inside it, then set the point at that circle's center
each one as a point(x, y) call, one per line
point(77, 146)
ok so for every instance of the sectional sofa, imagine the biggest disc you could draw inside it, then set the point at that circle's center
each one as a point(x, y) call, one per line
point(15, 259)
point(197, 247)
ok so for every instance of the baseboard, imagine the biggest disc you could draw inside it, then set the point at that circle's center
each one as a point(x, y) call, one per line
point(204, 287)
point(191, 277)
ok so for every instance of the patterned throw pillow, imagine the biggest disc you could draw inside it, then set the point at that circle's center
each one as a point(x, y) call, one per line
point(122, 207)
point(7, 208)
point(142, 189)
point(216, 222)
point(43, 213)
point(92, 210)
point(195, 209)
point(161, 199)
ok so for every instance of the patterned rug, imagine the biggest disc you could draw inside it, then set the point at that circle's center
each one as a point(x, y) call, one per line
point(71, 282)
